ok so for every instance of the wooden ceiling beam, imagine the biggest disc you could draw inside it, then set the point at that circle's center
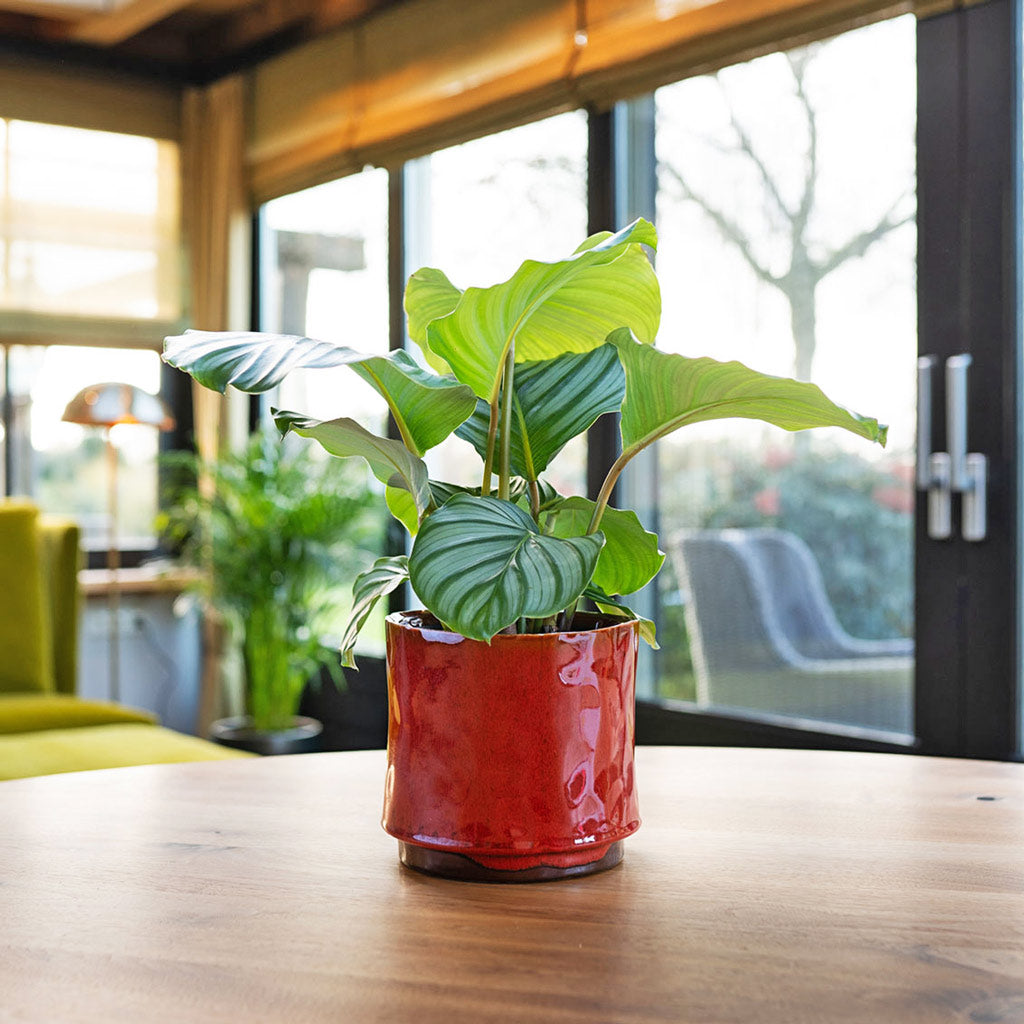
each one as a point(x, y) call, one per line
point(263, 20)
point(121, 23)
point(58, 10)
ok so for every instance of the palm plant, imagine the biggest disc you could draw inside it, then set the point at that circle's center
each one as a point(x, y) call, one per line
point(276, 531)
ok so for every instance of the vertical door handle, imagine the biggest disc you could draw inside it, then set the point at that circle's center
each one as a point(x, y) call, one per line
point(956, 419)
point(958, 470)
point(924, 421)
point(932, 469)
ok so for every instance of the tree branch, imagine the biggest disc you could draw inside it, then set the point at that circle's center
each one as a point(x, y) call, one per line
point(746, 146)
point(798, 61)
point(725, 225)
point(860, 243)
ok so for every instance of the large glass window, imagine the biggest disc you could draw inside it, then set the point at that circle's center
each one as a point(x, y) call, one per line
point(325, 275)
point(90, 223)
point(785, 208)
point(64, 466)
point(478, 210)
point(90, 248)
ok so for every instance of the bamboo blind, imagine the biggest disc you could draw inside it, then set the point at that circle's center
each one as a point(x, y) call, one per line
point(430, 73)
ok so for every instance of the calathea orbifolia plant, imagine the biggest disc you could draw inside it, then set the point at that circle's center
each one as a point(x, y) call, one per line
point(518, 370)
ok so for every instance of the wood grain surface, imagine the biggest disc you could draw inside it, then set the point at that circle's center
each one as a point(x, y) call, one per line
point(764, 886)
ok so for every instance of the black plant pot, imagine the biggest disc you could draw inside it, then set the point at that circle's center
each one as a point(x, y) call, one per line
point(302, 738)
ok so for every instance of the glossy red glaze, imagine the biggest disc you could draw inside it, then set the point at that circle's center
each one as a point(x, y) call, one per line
point(517, 753)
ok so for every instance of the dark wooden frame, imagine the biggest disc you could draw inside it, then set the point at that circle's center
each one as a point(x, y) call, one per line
point(969, 264)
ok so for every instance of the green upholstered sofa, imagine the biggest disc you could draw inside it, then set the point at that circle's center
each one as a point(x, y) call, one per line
point(44, 727)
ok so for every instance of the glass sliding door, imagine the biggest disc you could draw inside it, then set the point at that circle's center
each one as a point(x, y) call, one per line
point(850, 212)
point(786, 214)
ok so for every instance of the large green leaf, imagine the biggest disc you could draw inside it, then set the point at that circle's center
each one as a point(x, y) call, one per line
point(666, 391)
point(630, 557)
point(554, 400)
point(427, 408)
point(390, 461)
point(548, 309)
point(384, 576)
point(480, 564)
point(428, 296)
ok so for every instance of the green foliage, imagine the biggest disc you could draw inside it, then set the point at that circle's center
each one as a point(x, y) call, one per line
point(384, 576)
point(544, 353)
point(554, 400)
point(276, 531)
point(630, 557)
point(485, 564)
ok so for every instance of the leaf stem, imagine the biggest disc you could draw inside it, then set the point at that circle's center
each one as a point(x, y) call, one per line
point(505, 458)
point(605, 494)
point(603, 497)
point(535, 501)
point(492, 433)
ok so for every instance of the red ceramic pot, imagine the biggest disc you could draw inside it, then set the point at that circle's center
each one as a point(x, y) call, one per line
point(510, 761)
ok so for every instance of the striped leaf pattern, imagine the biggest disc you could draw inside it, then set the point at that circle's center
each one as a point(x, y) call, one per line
point(630, 558)
point(552, 308)
point(554, 400)
point(666, 391)
point(402, 506)
point(390, 461)
point(384, 576)
point(427, 407)
point(480, 564)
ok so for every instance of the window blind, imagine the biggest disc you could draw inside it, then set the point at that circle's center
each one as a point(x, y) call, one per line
point(430, 73)
point(101, 100)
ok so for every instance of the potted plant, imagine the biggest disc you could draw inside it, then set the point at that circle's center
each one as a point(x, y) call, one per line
point(510, 747)
point(274, 529)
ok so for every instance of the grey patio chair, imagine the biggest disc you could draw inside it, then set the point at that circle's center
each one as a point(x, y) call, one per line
point(764, 637)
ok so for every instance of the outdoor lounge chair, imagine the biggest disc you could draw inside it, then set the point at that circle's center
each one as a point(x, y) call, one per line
point(763, 636)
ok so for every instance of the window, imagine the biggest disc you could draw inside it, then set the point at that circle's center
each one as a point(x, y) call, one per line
point(806, 266)
point(324, 262)
point(89, 254)
point(477, 210)
point(90, 225)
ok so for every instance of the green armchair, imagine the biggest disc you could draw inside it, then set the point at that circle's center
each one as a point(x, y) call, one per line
point(44, 727)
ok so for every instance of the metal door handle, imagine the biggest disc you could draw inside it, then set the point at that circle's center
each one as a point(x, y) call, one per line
point(958, 470)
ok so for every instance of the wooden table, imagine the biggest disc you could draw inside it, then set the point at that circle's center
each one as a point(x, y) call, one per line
point(764, 886)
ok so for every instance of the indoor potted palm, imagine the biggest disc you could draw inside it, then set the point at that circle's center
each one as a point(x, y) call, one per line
point(510, 747)
point(275, 531)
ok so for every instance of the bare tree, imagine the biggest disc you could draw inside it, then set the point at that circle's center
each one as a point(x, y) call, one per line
point(799, 281)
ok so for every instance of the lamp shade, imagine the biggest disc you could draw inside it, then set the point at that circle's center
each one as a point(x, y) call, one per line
point(107, 405)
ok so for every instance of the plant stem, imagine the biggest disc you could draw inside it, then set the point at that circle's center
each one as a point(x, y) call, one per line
point(535, 501)
point(604, 495)
point(492, 433)
point(505, 460)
